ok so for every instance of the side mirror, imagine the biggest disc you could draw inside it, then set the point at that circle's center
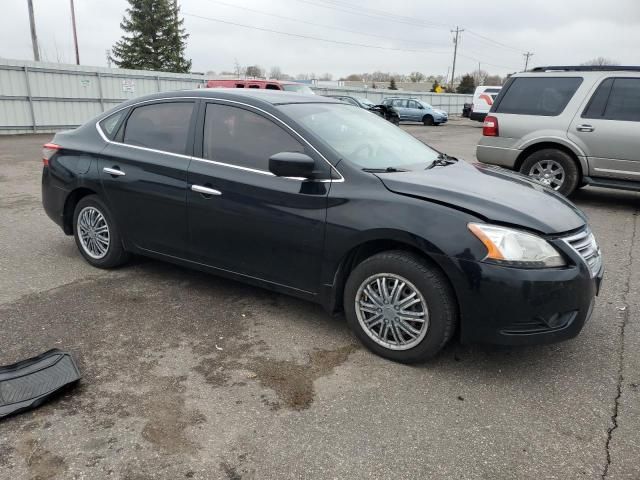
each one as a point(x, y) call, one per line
point(420, 107)
point(291, 164)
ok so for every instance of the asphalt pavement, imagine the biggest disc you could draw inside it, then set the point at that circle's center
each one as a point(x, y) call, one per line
point(187, 375)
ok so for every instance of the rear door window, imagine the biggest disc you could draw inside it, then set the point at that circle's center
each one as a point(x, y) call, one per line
point(595, 108)
point(399, 103)
point(624, 100)
point(161, 126)
point(242, 138)
point(545, 96)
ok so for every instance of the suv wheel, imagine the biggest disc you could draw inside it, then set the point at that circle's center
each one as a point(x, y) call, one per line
point(427, 120)
point(400, 307)
point(553, 168)
point(96, 234)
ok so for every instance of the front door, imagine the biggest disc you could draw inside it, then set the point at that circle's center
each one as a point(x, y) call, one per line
point(609, 127)
point(144, 175)
point(242, 218)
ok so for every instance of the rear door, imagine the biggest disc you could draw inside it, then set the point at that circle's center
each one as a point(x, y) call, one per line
point(144, 175)
point(401, 107)
point(608, 129)
point(251, 222)
point(415, 110)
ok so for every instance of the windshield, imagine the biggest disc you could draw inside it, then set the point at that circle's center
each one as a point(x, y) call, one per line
point(366, 101)
point(290, 87)
point(360, 137)
point(426, 105)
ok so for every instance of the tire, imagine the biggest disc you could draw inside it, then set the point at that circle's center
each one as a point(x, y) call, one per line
point(432, 287)
point(552, 156)
point(395, 120)
point(97, 251)
point(427, 120)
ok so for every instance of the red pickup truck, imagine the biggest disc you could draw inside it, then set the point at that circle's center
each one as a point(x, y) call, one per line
point(268, 84)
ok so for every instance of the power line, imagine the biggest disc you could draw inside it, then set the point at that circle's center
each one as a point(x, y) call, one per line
point(491, 40)
point(361, 13)
point(261, 12)
point(310, 37)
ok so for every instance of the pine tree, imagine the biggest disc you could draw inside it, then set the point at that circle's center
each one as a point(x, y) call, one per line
point(156, 38)
point(466, 85)
point(392, 84)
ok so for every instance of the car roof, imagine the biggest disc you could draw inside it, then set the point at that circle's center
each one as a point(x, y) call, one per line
point(256, 97)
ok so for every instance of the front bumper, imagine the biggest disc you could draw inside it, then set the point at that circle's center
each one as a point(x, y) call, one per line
point(514, 306)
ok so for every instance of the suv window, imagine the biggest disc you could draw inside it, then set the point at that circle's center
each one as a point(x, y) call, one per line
point(399, 103)
point(595, 108)
point(413, 104)
point(624, 100)
point(161, 126)
point(243, 138)
point(547, 96)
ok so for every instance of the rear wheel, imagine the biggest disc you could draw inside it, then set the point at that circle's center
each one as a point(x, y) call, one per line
point(553, 168)
point(96, 234)
point(427, 120)
point(400, 306)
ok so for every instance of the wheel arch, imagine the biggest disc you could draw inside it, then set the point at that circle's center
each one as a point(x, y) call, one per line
point(366, 249)
point(575, 154)
point(70, 205)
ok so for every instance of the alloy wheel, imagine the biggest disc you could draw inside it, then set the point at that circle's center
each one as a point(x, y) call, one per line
point(549, 173)
point(392, 311)
point(93, 232)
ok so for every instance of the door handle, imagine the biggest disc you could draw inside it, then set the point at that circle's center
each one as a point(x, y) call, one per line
point(114, 171)
point(585, 128)
point(205, 190)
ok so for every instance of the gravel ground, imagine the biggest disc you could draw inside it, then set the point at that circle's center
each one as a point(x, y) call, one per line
point(187, 375)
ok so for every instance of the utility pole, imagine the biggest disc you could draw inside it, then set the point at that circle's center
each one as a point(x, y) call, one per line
point(457, 31)
point(75, 34)
point(526, 61)
point(34, 37)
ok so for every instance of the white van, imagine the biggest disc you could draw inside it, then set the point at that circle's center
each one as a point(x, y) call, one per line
point(483, 98)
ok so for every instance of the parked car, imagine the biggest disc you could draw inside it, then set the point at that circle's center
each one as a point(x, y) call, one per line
point(266, 84)
point(415, 110)
point(568, 127)
point(483, 98)
point(308, 196)
point(385, 111)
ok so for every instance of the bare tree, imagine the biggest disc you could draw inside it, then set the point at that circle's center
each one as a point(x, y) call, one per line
point(238, 69)
point(254, 71)
point(275, 73)
point(601, 61)
point(494, 80)
point(303, 76)
point(354, 77)
point(416, 77)
point(326, 77)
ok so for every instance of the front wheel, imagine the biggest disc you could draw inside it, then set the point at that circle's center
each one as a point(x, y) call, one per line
point(400, 306)
point(96, 234)
point(427, 120)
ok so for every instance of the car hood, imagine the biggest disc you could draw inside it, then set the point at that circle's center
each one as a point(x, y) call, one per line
point(493, 193)
point(440, 112)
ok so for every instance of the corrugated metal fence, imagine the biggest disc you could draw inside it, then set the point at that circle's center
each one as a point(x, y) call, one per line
point(47, 97)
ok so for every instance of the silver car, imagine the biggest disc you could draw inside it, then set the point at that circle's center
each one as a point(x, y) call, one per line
point(568, 127)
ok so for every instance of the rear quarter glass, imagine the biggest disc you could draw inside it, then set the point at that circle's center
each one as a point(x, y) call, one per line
point(542, 96)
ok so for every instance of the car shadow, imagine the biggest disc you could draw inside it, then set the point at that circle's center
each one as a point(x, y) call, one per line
point(607, 198)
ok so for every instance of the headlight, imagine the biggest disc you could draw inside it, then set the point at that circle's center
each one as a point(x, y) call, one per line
point(514, 247)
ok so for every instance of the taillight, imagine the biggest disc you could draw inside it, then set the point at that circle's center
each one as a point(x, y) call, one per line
point(48, 150)
point(490, 127)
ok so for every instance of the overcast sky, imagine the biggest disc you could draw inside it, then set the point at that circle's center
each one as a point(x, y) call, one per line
point(413, 34)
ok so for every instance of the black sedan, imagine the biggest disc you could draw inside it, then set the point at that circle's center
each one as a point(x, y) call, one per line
point(385, 111)
point(314, 198)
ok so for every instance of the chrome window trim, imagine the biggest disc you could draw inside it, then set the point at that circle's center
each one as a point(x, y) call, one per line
point(222, 164)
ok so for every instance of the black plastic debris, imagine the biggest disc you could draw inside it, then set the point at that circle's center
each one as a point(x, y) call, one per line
point(29, 383)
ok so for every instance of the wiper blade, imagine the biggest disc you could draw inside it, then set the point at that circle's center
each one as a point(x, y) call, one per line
point(384, 170)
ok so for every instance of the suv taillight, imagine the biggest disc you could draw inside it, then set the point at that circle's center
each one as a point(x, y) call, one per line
point(490, 127)
point(48, 150)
